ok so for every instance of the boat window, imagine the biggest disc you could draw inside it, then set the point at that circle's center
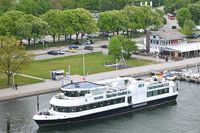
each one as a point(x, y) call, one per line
point(71, 93)
point(82, 93)
point(149, 94)
point(95, 105)
point(140, 85)
point(88, 106)
point(72, 109)
point(157, 92)
point(80, 108)
point(101, 104)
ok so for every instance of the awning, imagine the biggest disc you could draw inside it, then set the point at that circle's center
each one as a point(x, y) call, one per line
point(185, 47)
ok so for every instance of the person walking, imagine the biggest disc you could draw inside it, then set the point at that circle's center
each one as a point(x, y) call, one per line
point(16, 87)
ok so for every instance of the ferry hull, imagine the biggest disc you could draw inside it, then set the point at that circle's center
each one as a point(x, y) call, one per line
point(108, 113)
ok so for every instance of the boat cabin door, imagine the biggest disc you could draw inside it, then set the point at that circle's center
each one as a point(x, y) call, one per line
point(129, 99)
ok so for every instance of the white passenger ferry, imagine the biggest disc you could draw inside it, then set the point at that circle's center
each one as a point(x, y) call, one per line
point(83, 101)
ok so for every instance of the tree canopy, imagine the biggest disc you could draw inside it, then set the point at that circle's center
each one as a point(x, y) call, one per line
point(12, 56)
point(119, 44)
point(182, 15)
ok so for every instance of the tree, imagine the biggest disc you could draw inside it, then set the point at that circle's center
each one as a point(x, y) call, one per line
point(195, 12)
point(29, 27)
point(115, 47)
point(113, 21)
point(55, 22)
point(182, 15)
point(117, 43)
point(83, 22)
point(8, 21)
point(34, 7)
point(6, 5)
point(188, 27)
point(13, 57)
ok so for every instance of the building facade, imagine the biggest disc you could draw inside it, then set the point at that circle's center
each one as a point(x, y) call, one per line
point(158, 40)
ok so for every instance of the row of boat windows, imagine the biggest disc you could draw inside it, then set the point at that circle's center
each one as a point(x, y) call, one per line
point(158, 86)
point(157, 92)
point(88, 106)
point(75, 93)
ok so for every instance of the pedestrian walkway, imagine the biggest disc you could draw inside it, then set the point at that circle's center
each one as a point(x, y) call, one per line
point(50, 86)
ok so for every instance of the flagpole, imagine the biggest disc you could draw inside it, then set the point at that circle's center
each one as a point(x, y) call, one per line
point(83, 62)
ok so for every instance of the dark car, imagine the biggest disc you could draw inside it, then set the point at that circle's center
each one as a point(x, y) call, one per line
point(88, 48)
point(52, 52)
point(195, 35)
point(104, 46)
point(73, 46)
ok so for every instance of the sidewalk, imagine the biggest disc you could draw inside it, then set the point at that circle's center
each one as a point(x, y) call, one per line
point(50, 86)
point(148, 58)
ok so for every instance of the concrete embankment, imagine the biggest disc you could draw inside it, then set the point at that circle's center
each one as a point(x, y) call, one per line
point(51, 86)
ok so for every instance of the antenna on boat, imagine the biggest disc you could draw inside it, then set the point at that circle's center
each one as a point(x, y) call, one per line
point(83, 64)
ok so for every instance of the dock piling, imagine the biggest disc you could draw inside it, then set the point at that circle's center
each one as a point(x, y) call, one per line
point(38, 103)
point(8, 122)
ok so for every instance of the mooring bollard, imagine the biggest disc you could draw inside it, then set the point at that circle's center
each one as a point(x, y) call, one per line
point(8, 122)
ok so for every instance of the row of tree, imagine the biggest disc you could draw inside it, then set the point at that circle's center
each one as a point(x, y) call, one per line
point(77, 21)
point(129, 19)
point(171, 6)
point(38, 7)
point(189, 17)
point(53, 22)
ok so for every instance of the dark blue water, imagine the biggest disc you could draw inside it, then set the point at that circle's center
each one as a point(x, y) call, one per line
point(182, 116)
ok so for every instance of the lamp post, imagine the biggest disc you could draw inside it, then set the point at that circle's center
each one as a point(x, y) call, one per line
point(83, 62)
point(13, 80)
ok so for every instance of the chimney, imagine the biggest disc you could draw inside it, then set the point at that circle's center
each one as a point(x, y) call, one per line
point(148, 33)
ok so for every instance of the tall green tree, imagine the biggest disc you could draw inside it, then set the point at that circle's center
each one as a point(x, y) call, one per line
point(34, 7)
point(182, 15)
point(195, 12)
point(8, 21)
point(54, 19)
point(188, 27)
point(111, 21)
point(29, 27)
point(119, 44)
point(6, 5)
point(13, 56)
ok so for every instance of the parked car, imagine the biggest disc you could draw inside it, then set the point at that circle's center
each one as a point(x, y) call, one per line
point(52, 52)
point(72, 50)
point(43, 41)
point(73, 46)
point(88, 48)
point(104, 46)
point(61, 51)
point(87, 42)
point(195, 35)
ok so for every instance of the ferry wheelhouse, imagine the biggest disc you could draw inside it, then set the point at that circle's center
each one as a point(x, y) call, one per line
point(83, 101)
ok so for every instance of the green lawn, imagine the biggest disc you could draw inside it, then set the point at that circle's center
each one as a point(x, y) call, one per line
point(94, 64)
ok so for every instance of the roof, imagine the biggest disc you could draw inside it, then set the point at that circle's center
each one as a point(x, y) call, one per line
point(185, 47)
point(82, 85)
point(57, 71)
point(168, 34)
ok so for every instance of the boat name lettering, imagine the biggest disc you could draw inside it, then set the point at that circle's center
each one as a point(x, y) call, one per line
point(116, 94)
point(99, 97)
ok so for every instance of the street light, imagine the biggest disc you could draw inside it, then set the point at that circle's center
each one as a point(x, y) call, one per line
point(13, 75)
